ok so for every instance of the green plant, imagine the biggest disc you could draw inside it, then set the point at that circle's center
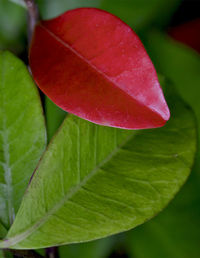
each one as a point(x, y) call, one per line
point(91, 181)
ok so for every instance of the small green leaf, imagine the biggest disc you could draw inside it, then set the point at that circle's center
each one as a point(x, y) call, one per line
point(54, 117)
point(22, 134)
point(94, 181)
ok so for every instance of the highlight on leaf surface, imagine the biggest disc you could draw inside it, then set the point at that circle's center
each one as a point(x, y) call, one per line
point(93, 65)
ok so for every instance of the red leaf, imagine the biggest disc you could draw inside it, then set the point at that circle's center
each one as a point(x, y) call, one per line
point(93, 65)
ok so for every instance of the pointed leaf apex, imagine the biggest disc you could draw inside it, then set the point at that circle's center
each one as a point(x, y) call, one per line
point(92, 64)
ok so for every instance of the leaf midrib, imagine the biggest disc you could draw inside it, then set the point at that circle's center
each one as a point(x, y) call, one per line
point(65, 44)
point(16, 239)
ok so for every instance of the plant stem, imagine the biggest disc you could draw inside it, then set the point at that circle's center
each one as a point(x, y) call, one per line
point(33, 16)
point(52, 252)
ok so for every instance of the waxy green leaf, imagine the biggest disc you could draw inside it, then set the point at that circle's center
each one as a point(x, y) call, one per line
point(94, 181)
point(22, 134)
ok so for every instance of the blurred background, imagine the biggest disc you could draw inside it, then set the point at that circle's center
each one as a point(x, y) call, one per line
point(170, 32)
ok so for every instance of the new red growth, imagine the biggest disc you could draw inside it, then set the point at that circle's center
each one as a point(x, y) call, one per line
point(93, 65)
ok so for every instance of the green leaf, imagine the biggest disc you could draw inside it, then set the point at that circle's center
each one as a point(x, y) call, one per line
point(95, 249)
point(181, 65)
point(12, 26)
point(175, 232)
point(94, 181)
point(19, 2)
point(22, 134)
point(54, 117)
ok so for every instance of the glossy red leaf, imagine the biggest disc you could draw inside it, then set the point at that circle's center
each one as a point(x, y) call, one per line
point(93, 65)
